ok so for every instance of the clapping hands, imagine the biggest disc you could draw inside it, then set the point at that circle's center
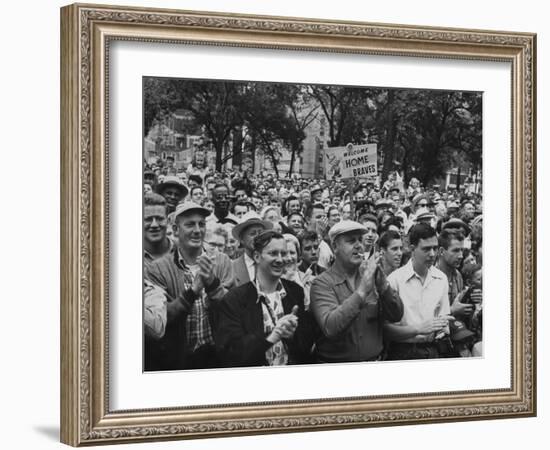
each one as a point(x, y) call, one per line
point(285, 327)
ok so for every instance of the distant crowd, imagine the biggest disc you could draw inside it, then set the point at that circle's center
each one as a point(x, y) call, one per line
point(247, 270)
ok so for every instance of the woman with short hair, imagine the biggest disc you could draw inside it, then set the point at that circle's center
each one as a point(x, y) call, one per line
point(263, 322)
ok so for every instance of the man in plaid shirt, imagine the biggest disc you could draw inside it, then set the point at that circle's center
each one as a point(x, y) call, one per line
point(194, 282)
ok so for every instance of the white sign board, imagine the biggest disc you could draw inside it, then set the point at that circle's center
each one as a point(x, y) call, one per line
point(351, 161)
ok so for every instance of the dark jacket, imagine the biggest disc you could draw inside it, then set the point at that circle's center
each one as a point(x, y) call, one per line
point(240, 337)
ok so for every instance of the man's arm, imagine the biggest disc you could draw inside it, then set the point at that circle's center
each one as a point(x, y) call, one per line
point(390, 302)
point(154, 311)
point(331, 316)
point(224, 279)
point(396, 332)
point(175, 307)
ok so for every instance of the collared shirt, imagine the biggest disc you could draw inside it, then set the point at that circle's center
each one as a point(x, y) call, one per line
point(154, 310)
point(230, 218)
point(352, 327)
point(250, 267)
point(421, 300)
point(326, 256)
point(199, 331)
point(272, 310)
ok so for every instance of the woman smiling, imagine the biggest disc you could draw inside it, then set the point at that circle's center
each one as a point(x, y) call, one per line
point(264, 322)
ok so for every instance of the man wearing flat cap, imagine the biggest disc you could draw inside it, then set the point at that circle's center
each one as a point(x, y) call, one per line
point(193, 283)
point(351, 302)
point(173, 190)
point(250, 226)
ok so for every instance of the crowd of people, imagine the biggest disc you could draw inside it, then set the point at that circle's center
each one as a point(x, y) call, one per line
point(250, 270)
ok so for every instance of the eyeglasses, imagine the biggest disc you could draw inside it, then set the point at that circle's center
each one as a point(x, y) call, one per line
point(216, 244)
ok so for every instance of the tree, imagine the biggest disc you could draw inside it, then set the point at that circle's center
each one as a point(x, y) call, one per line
point(346, 110)
point(216, 107)
point(301, 110)
point(437, 130)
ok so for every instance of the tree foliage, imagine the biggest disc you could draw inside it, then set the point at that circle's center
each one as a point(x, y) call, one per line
point(421, 132)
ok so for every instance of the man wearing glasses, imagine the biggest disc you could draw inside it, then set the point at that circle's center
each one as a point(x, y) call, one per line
point(215, 239)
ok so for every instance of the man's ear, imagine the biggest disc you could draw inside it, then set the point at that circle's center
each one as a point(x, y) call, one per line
point(175, 229)
point(256, 256)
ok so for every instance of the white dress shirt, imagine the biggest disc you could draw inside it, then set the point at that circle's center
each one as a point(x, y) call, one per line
point(421, 301)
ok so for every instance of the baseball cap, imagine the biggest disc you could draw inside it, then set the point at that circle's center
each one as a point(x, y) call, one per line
point(458, 330)
point(188, 207)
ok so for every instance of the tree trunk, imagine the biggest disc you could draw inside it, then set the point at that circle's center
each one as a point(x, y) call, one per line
point(218, 145)
point(389, 144)
point(292, 158)
point(237, 146)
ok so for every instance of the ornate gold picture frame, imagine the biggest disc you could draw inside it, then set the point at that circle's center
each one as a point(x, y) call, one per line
point(87, 31)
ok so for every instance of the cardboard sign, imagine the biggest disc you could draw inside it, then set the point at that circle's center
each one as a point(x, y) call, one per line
point(351, 161)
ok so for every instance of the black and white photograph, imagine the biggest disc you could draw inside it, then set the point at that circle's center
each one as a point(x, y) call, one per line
point(289, 224)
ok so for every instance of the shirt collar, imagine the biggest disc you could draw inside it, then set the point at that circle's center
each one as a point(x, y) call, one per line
point(248, 260)
point(340, 277)
point(178, 258)
point(410, 273)
point(280, 289)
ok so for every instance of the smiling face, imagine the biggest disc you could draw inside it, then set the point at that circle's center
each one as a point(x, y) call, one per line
point(190, 230)
point(154, 222)
point(333, 217)
point(293, 206)
point(173, 195)
point(271, 261)
point(221, 198)
point(296, 223)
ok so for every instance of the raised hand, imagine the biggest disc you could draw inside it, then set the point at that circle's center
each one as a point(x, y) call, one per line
point(367, 278)
point(461, 309)
point(206, 267)
point(284, 328)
